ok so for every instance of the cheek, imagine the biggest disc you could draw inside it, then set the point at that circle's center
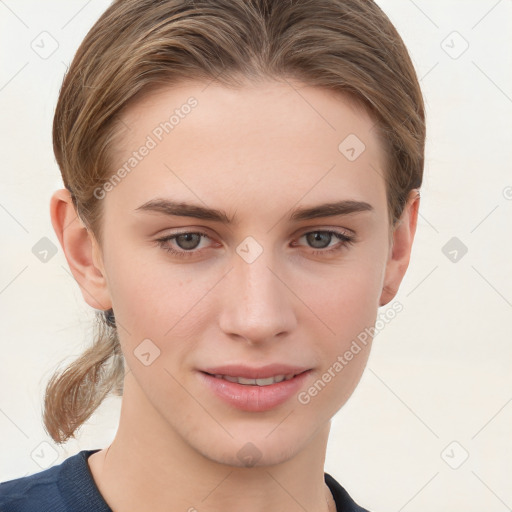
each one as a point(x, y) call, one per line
point(349, 310)
point(157, 301)
point(148, 294)
point(347, 305)
point(345, 299)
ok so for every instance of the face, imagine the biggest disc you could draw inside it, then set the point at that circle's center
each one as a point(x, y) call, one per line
point(255, 271)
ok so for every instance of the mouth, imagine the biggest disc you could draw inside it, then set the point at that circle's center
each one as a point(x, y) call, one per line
point(268, 381)
point(257, 389)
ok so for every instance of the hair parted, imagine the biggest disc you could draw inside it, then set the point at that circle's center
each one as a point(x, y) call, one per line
point(346, 46)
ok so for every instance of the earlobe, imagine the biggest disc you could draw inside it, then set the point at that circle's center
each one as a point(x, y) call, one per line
point(81, 250)
point(400, 251)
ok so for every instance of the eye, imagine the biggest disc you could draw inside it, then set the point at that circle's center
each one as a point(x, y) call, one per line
point(322, 239)
point(187, 242)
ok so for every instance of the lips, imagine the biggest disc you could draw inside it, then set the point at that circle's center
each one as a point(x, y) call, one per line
point(254, 397)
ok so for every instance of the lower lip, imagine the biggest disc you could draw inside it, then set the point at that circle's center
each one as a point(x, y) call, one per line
point(254, 398)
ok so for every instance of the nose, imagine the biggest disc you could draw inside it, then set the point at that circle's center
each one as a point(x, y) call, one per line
point(257, 304)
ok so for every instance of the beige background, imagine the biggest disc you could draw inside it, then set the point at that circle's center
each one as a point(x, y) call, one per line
point(438, 387)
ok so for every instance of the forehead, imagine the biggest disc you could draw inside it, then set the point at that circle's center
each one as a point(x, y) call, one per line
point(279, 140)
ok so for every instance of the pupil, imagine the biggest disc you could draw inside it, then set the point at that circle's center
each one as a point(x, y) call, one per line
point(318, 236)
point(186, 241)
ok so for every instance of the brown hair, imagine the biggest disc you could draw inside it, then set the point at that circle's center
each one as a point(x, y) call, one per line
point(346, 46)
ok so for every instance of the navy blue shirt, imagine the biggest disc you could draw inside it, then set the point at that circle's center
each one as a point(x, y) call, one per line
point(70, 487)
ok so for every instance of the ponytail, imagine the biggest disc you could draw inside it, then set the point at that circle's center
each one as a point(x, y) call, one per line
point(73, 395)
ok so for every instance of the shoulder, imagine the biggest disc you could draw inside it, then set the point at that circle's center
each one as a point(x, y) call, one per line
point(65, 487)
point(30, 493)
point(344, 503)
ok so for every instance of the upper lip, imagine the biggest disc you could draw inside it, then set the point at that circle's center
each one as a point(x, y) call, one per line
point(262, 372)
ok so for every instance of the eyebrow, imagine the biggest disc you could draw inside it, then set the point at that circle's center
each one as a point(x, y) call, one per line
point(182, 209)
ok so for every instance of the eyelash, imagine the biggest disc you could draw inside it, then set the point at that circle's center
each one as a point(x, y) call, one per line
point(346, 240)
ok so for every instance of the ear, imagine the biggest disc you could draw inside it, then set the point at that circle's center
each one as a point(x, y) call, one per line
point(400, 248)
point(81, 250)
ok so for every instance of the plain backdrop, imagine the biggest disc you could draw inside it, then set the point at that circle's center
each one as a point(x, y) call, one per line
point(431, 420)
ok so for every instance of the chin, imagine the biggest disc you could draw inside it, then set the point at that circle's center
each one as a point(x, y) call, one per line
point(252, 451)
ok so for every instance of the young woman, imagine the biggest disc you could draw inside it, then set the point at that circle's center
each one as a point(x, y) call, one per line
point(241, 197)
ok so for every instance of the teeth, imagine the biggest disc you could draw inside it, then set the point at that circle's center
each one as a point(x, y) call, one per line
point(256, 382)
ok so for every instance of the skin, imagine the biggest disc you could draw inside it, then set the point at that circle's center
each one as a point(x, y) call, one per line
point(257, 153)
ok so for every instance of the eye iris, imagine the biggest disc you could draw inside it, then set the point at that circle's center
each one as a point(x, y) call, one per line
point(319, 236)
point(188, 240)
